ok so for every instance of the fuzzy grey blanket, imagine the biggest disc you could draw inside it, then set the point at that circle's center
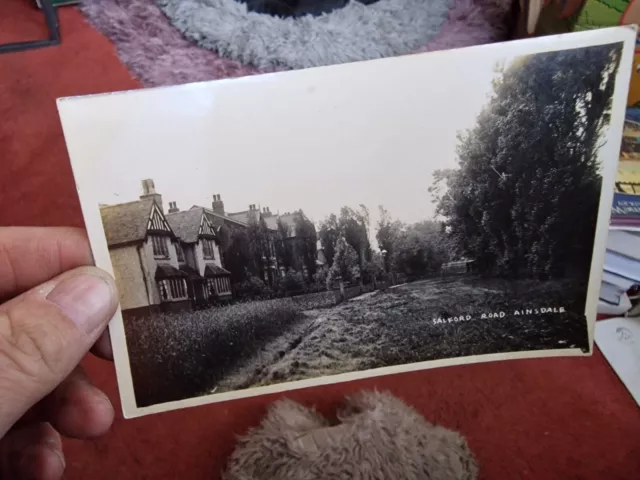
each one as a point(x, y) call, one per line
point(379, 438)
point(353, 33)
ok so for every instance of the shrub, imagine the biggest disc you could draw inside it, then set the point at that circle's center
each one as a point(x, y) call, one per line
point(292, 282)
point(181, 355)
point(252, 287)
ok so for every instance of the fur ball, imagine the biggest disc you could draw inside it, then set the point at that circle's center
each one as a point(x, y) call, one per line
point(379, 437)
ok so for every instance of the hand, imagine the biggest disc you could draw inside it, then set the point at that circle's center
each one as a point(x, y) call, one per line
point(53, 310)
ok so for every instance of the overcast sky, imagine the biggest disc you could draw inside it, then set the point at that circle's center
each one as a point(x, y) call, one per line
point(316, 140)
point(285, 142)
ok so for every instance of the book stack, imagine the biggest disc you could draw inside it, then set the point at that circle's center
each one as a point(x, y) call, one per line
point(619, 293)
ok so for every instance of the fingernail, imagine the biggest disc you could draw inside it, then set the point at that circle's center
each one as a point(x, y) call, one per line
point(85, 299)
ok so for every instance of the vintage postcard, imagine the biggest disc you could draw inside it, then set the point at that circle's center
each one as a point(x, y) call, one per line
point(294, 229)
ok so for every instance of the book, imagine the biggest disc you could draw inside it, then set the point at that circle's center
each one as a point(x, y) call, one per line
point(624, 243)
point(302, 228)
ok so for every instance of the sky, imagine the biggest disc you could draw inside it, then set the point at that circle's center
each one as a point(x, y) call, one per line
point(311, 142)
point(318, 139)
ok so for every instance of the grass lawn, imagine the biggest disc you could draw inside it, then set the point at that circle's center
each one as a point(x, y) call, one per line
point(179, 356)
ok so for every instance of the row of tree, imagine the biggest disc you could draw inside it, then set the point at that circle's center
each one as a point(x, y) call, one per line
point(285, 258)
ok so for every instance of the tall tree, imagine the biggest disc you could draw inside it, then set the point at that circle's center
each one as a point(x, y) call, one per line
point(284, 246)
point(387, 235)
point(354, 228)
point(344, 263)
point(524, 199)
point(329, 233)
point(306, 243)
point(238, 258)
point(260, 244)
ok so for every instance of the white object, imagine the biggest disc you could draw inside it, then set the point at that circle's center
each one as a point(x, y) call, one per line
point(623, 307)
point(624, 243)
point(619, 341)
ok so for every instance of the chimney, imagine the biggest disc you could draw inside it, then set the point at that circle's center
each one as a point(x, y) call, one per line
point(173, 207)
point(217, 205)
point(149, 191)
point(266, 212)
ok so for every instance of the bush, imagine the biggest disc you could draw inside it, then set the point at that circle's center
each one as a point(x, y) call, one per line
point(252, 287)
point(292, 282)
point(181, 355)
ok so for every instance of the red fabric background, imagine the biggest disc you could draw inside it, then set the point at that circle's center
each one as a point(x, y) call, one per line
point(532, 419)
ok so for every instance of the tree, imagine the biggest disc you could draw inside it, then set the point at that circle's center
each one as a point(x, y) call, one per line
point(387, 236)
point(524, 200)
point(344, 263)
point(421, 249)
point(354, 227)
point(238, 258)
point(260, 246)
point(306, 242)
point(284, 250)
point(329, 233)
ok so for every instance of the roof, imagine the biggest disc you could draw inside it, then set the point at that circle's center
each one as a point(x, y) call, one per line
point(167, 271)
point(126, 222)
point(192, 273)
point(215, 271)
point(271, 220)
point(186, 225)
point(216, 218)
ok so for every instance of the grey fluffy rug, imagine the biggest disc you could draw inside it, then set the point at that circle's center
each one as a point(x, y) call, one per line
point(353, 33)
point(157, 53)
point(379, 437)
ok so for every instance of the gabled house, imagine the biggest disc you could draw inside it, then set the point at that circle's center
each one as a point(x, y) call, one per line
point(142, 246)
point(199, 255)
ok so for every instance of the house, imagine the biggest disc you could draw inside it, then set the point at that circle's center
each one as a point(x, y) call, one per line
point(199, 255)
point(143, 255)
point(156, 267)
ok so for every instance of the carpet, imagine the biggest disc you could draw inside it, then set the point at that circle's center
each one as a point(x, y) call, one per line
point(157, 53)
point(551, 419)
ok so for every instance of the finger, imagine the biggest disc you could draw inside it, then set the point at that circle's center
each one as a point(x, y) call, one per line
point(33, 452)
point(77, 409)
point(102, 348)
point(32, 255)
point(45, 333)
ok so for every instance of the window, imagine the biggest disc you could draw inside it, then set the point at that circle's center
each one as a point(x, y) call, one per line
point(179, 252)
point(160, 248)
point(172, 289)
point(208, 249)
point(219, 285)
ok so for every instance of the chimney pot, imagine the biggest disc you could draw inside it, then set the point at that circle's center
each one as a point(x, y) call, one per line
point(218, 204)
point(173, 207)
point(148, 187)
point(149, 191)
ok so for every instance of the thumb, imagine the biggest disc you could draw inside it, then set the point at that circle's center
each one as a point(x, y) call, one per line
point(45, 333)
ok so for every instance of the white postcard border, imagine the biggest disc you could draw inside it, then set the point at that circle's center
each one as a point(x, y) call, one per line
point(82, 166)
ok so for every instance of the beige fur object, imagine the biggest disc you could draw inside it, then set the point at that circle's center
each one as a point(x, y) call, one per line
point(379, 437)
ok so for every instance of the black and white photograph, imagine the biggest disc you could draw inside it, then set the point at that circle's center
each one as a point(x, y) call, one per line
point(297, 228)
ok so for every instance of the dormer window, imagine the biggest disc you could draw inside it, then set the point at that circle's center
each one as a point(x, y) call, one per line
point(208, 249)
point(160, 247)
